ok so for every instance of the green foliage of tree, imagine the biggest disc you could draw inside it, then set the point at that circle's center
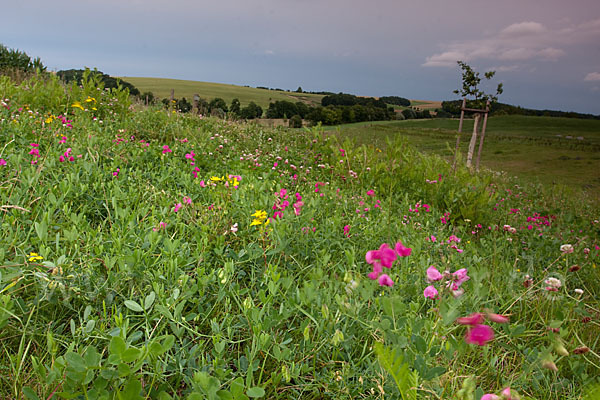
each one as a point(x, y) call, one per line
point(217, 102)
point(16, 59)
point(235, 107)
point(396, 100)
point(109, 82)
point(409, 114)
point(470, 86)
point(251, 111)
point(282, 109)
point(295, 121)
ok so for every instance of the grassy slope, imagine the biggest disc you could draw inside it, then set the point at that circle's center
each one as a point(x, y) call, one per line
point(525, 146)
point(162, 88)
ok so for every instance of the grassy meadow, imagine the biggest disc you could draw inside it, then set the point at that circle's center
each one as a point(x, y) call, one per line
point(161, 87)
point(536, 149)
point(149, 254)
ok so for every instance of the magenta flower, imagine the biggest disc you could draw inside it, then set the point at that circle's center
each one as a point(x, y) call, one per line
point(2, 161)
point(202, 184)
point(506, 393)
point(430, 292)
point(377, 269)
point(489, 396)
point(385, 280)
point(473, 319)
point(433, 274)
point(115, 173)
point(177, 207)
point(460, 277)
point(347, 230)
point(500, 319)
point(166, 149)
point(187, 200)
point(401, 250)
point(371, 193)
point(479, 335)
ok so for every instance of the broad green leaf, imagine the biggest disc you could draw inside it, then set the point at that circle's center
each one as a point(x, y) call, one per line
point(117, 345)
point(149, 300)
point(255, 392)
point(133, 306)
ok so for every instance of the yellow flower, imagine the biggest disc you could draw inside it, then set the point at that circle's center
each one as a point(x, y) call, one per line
point(256, 222)
point(77, 105)
point(217, 179)
point(50, 119)
point(260, 214)
point(259, 218)
point(90, 99)
point(35, 257)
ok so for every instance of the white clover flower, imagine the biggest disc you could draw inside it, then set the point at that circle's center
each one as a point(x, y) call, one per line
point(566, 248)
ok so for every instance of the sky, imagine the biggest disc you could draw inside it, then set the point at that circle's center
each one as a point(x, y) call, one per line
point(545, 52)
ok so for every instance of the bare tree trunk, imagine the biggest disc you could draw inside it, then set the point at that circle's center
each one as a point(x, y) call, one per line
point(460, 124)
point(473, 141)
point(485, 117)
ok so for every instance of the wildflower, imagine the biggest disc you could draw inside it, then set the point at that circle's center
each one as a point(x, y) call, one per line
point(402, 250)
point(202, 184)
point(566, 248)
point(459, 277)
point(234, 228)
point(479, 335)
point(216, 178)
point(579, 291)
point(115, 173)
point(347, 230)
point(473, 319)
point(581, 350)
point(430, 292)
point(574, 268)
point(371, 193)
point(385, 280)
point(35, 257)
point(2, 161)
point(77, 105)
point(489, 396)
point(161, 225)
point(166, 149)
point(385, 255)
point(553, 284)
point(500, 319)
point(177, 207)
point(187, 200)
point(259, 217)
point(433, 274)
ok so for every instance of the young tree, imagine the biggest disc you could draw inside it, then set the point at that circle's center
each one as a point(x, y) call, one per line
point(470, 88)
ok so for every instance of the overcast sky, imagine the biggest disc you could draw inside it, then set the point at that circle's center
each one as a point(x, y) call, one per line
point(546, 52)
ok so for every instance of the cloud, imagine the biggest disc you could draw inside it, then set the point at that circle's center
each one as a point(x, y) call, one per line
point(523, 29)
point(446, 59)
point(518, 42)
point(592, 76)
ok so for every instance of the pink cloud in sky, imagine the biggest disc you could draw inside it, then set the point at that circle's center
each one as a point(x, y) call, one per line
point(518, 42)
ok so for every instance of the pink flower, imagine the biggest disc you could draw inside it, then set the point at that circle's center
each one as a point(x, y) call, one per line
point(2, 161)
point(177, 207)
point(187, 200)
point(161, 225)
point(430, 292)
point(61, 158)
point(473, 319)
point(63, 140)
point(401, 250)
point(506, 393)
point(371, 193)
point(433, 274)
point(500, 319)
point(460, 277)
point(490, 396)
point(377, 269)
point(479, 335)
point(347, 230)
point(166, 149)
point(385, 280)
point(432, 238)
point(202, 184)
point(115, 173)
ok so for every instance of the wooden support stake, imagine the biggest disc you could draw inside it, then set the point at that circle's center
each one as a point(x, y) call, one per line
point(473, 142)
point(460, 124)
point(485, 117)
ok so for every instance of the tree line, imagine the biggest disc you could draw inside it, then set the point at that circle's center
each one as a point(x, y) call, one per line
point(452, 107)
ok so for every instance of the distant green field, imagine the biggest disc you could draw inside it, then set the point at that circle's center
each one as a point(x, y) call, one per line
point(534, 148)
point(207, 90)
